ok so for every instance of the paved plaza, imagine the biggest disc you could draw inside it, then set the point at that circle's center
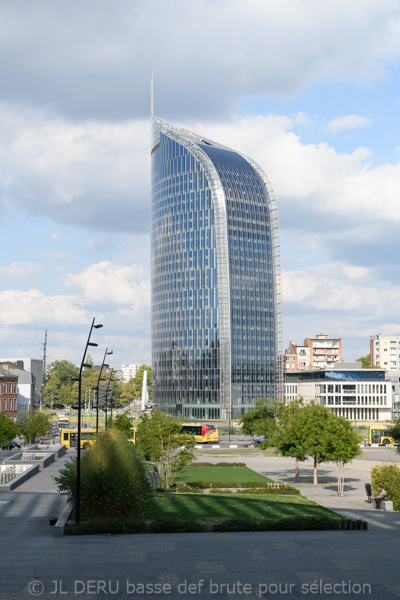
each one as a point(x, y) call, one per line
point(338, 564)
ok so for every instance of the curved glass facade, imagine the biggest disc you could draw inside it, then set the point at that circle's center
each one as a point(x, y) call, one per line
point(214, 335)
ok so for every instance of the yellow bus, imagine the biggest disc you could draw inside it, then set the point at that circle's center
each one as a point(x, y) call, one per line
point(132, 437)
point(202, 433)
point(69, 437)
point(379, 434)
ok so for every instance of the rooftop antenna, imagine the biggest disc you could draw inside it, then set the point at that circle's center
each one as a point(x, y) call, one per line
point(152, 95)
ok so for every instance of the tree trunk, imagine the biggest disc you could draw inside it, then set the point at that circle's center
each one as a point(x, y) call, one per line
point(315, 470)
point(340, 478)
point(297, 468)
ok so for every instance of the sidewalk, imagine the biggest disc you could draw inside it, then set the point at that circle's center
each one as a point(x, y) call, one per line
point(353, 504)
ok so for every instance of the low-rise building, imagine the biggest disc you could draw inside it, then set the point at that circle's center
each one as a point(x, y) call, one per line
point(296, 358)
point(358, 394)
point(32, 365)
point(25, 386)
point(8, 394)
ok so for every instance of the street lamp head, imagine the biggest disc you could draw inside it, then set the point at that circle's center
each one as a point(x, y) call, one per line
point(87, 365)
point(104, 365)
point(98, 326)
point(92, 344)
point(110, 352)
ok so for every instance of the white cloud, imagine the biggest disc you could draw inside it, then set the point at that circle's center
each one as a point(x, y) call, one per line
point(323, 289)
point(127, 287)
point(255, 47)
point(347, 122)
point(92, 175)
point(18, 271)
point(33, 307)
point(314, 180)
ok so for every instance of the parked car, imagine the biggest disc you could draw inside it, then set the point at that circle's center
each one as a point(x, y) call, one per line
point(260, 439)
point(11, 445)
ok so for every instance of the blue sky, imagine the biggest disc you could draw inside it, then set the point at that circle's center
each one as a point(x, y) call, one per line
point(309, 90)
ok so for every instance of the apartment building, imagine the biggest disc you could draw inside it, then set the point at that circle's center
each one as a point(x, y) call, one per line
point(385, 351)
point(324, 351)
point(128, 372)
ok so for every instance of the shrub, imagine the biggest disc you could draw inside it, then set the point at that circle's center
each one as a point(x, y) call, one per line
point(388, 477)
point(284, 490)
point(171, 525)
point(113, 479)
point(218, 491)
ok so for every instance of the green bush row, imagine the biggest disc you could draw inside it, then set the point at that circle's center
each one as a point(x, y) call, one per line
point(388, 477)
point(284, 490)
point(117, 526)
point(235, 465)
point(112, 525)
point(288, 524)
point(226, 484)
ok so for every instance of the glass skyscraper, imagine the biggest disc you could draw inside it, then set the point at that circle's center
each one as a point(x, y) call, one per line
point(216, 296)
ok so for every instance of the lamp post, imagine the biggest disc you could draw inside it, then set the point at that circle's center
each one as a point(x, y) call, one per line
point(112, 396)
point(108, 385)
point(78, 453)
point(103, 364)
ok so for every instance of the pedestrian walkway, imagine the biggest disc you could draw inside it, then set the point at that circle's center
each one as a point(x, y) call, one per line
point(246, 566)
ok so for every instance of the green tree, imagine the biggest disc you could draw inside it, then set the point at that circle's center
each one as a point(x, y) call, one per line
point(288, 438)
point(128, 393)
point(122, 422)
point(35, 424)
point(366, 362)
point(261, 420)
point(59, 382)
point(8, 429)
point(343, 444)
point(162, 443)
point(307, 431)
point(314, 431)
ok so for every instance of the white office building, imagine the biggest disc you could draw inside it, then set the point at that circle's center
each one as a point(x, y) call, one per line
point(358, 394)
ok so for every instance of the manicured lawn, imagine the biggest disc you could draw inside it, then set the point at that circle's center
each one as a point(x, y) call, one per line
point(200, 506)
point(229, 475)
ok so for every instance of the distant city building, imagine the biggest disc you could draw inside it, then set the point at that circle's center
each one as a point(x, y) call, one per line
point(324, 351)
point(216, 295)
point(34, 366)
point(296, 358)
point(8, 393)
point(385, 351)
point(129, 372)
point(351, 392)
